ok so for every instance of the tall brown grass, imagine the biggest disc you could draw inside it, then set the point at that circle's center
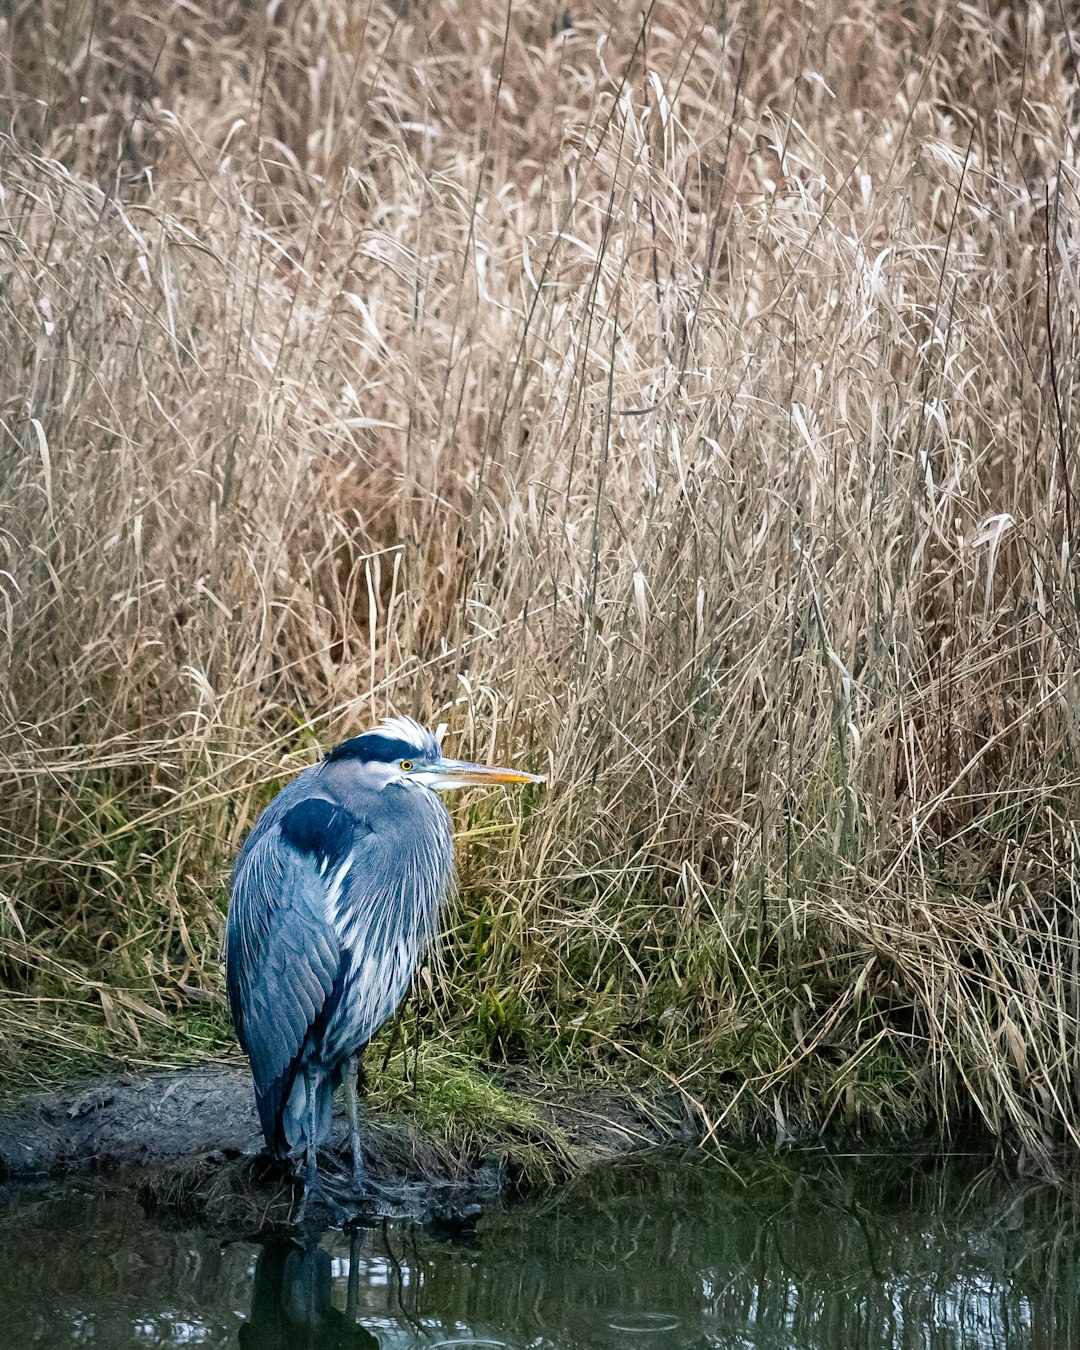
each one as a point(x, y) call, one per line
point(681, 401)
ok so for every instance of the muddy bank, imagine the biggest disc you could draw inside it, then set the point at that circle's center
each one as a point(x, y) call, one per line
point(190, 1143)
point(129, 1120)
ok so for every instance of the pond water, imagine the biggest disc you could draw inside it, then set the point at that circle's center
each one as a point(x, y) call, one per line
point(662, 1253)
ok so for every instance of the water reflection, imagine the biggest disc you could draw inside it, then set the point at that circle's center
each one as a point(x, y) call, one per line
point(292, 1301)
point(898, 1252)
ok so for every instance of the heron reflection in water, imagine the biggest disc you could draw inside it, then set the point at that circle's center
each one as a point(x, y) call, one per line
point(336, 893)
point(292, 1306)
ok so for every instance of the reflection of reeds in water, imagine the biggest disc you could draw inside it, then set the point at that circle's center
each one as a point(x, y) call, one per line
point(682, 404)
point(892, 1250)
point(895, 1251)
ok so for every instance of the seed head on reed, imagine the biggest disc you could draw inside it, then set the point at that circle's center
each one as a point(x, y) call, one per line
point(685, 400)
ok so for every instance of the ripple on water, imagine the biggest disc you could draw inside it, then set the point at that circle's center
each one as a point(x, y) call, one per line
point(474, 1342)
point(644, 1323)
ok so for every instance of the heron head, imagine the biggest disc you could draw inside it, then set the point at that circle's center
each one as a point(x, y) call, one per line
point(402, 751)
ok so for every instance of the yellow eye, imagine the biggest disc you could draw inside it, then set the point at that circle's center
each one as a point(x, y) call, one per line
point(406, 764)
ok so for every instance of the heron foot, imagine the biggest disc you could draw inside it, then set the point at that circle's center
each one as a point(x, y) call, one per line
point(363, 1188)
point(352, 1183)
point(317, 1192)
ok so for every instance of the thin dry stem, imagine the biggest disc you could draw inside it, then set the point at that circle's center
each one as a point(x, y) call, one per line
point(681, 403)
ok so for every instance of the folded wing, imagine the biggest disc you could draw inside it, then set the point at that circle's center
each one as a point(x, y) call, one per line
point(284, 967)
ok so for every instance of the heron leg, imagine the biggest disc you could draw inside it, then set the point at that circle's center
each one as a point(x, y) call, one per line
point(358, 1173)
point(312, 1179)
point(312, 1185)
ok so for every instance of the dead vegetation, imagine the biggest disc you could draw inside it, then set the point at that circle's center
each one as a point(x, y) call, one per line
point(681, 402)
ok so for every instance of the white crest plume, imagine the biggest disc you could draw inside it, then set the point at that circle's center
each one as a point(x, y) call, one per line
point(409, 730)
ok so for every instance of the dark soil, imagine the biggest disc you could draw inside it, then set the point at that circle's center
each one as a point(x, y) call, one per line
point(190, 1144)
point(130, 1120)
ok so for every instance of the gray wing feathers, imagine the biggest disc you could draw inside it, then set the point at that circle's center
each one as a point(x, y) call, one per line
point(282, 955)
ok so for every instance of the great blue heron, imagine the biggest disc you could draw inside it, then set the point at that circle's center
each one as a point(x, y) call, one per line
point(335, 894)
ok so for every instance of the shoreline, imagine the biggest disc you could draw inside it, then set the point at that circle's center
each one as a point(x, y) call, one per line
point(187, 1140)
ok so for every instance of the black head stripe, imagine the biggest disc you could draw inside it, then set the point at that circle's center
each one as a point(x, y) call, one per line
point(373, 746)
point(320, 829)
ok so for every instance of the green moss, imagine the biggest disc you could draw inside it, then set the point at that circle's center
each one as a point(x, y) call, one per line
point(451, 1098)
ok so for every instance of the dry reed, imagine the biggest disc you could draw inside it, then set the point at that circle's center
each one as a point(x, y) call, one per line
point(681, 401)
